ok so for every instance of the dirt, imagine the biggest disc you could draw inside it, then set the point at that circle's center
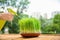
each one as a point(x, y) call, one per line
point(19, 37)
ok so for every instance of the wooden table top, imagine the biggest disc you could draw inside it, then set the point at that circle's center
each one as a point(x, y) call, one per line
point(19, 37)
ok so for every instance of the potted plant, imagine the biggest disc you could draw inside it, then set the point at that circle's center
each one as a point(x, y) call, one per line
point(29, 27)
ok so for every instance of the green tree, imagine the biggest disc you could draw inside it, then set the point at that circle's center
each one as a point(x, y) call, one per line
point(20, 5)
point(47, 25)
point(20, 8)
point(3, 2)
point(56, 23)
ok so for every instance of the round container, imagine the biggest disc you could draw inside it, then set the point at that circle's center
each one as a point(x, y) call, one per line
point(30, 34)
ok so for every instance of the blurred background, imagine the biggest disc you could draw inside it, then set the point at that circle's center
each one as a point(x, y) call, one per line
point(47, 11)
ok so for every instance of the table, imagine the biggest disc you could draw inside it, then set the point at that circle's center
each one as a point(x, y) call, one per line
point(19, 37)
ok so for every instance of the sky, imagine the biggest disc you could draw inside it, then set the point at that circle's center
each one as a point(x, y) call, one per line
point(43, 6)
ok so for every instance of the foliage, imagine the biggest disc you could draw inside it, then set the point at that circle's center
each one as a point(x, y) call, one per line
point(2, 2)
point(43, 21)
point(22, 4)
point(49, 29)
point(29, 25)
point(13, 26)
point(52, 26)
point(47, 25)
point(56, 23)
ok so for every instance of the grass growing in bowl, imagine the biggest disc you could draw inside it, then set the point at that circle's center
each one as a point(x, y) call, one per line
point(29, 25)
